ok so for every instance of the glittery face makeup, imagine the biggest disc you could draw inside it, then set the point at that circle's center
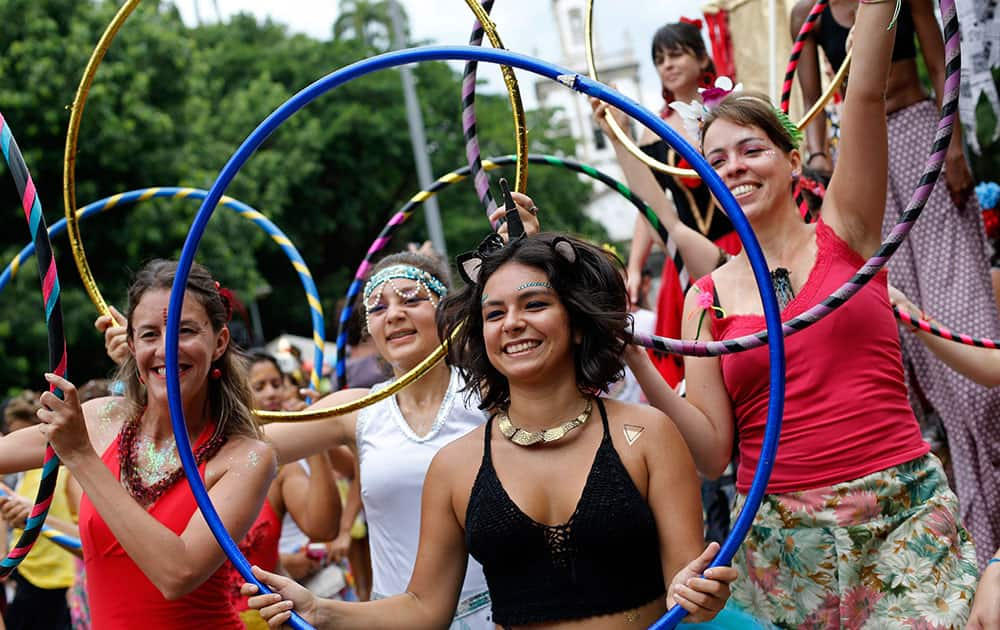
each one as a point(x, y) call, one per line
point(424, 285)
point(535, 283)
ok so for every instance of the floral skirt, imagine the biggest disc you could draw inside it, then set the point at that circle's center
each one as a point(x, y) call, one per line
point(883, 551)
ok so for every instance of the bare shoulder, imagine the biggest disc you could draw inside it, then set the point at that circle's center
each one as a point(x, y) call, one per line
point(244, 455)
point(798, 15)
point(459, 454)
point(643, 426)
point(104, 417)
point(455, 467)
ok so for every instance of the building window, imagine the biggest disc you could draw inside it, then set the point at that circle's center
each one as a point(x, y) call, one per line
point(576, 26)
point(600, 142)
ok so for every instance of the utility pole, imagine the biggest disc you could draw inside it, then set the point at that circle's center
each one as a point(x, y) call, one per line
point(415, 120)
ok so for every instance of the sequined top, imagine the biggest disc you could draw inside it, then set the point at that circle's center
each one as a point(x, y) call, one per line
point(604, 559)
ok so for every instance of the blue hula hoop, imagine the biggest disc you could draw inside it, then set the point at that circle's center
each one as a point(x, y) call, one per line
point(237, 206)
point(573, 81)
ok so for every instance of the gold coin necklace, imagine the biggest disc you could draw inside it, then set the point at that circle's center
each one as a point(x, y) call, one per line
point(521, 437)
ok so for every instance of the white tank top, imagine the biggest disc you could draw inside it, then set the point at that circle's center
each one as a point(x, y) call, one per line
point(394, 462)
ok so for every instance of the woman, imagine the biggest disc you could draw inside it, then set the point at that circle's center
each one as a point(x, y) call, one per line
point(944, 263)
point(688, 209)
point(151, 560)
point(612, 493)
point(858, 525)
point(396, 438)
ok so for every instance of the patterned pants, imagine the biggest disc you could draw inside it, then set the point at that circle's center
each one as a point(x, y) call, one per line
point(881, 552)
point(943, 266)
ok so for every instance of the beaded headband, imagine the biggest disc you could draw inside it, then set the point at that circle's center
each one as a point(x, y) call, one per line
point(424, 279)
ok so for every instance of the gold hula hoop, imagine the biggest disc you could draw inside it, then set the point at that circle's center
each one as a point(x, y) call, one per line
point(514, 93)
point(80, 257)
point(368, 399)
point(69, 157)
point(520, 184)
point(630, 146)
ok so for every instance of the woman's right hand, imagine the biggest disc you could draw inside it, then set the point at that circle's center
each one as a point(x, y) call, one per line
point(115, 335)
point(276, 607)
point(600, 109)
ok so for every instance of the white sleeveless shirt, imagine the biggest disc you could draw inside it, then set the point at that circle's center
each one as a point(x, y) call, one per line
point(394, 461)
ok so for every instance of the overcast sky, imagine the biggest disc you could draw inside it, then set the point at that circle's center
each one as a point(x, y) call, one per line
point(526, 26)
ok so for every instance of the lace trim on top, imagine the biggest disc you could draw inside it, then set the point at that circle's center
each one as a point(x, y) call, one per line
point(364, 416)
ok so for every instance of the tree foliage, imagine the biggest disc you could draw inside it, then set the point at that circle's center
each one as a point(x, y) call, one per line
point(170, 104)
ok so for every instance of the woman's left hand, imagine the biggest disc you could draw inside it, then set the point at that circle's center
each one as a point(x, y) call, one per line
point(526, 208)
point(63, 424)
point(958, 176)
point(702, 597)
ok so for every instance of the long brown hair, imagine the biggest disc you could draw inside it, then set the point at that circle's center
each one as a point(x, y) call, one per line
point(229, 396)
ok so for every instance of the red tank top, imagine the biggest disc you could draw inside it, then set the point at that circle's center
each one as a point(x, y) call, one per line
point(847, 414)
point(120, 594)
point(260, 546)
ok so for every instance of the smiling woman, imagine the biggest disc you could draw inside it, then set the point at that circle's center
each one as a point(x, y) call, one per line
point(138, 523)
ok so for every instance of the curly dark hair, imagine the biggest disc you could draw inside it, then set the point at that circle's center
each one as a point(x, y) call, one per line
point(592, 289)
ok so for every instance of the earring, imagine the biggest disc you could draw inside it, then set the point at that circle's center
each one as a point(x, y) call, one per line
point(215, 374)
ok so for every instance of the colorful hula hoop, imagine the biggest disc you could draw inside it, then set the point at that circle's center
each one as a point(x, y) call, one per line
point(943, 331)
point(932, 170)
point(49, 277)
point(404, 214)
point(69, 157)
point(59, 538)
point(513, 92)
point(573, 81)
point(630, 146)
point(472, 152)
point(240, 208)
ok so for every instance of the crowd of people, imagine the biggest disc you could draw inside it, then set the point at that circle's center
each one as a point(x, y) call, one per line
point(550, 473)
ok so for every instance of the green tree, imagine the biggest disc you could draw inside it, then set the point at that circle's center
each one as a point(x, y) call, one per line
point(171, 103)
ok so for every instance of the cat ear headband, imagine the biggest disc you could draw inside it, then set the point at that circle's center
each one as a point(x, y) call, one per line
point(470, 263)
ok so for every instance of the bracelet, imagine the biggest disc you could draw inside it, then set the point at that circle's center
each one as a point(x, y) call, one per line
point(817, 153)
point(993, 561)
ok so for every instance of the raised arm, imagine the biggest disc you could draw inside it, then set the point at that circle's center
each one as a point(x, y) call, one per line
point(294, 440)
point(817, 152)
point(22, 450)
point(855, 200)
point(701, 256)
point(312, 499)
point(237, 480)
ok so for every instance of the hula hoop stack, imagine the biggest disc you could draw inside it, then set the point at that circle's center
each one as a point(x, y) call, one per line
point(57, 342)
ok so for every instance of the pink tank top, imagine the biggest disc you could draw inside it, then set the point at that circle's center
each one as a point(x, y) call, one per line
point(847, 414)
point(120, 594)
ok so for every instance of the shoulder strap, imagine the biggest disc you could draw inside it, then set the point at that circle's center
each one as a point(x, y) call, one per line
point(604, 417)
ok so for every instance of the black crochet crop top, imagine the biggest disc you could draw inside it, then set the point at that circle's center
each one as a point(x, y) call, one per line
point(605, 559)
